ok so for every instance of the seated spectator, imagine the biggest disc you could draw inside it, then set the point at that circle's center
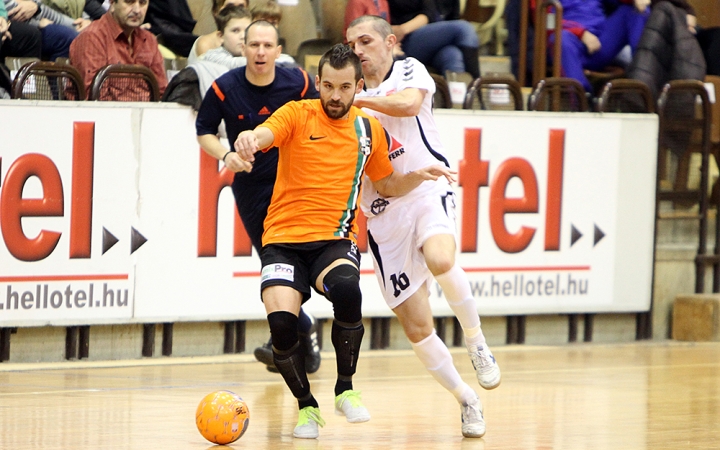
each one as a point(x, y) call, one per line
point(231, 22)
point(445, 45)
point(591, 40)
point(212, 40)
point(57, 30)
point(172, 22)
point(117, 38)
point(18, 39)
point(269, 12)
point(359, 8)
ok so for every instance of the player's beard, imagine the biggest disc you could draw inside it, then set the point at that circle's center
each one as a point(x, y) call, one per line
point(337, 113)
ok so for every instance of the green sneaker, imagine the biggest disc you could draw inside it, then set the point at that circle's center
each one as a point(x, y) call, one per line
point(348, 404)
point(308, 421)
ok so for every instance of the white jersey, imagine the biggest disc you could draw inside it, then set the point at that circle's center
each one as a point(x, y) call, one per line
point(418, 136)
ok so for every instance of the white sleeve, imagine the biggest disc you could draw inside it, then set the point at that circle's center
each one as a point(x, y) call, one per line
point(413, 74)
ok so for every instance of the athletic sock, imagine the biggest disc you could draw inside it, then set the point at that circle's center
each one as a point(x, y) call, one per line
point(456, 287)
point(437, 359)
point(346, 339)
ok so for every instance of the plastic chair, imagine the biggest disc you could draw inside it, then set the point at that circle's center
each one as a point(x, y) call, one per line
point(558, 94)
point(125, 83)
point(625, 95)
point(495, 92)
point(43, 80)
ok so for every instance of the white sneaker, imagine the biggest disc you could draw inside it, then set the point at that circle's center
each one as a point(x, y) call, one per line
point(308, 421)
point(348, 404)
point(487, 370)
point(473, 424)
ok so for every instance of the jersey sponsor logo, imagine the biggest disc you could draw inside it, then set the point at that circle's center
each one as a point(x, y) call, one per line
point(365, 145)
point(395, 149)
point(278, 271)
point(378, 206)
point(264, 111)
point(315, 138)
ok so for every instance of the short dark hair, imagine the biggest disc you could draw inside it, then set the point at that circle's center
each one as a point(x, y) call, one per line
point(339, 57)
point(229, 12)
point(380, 25)
point(263, 23)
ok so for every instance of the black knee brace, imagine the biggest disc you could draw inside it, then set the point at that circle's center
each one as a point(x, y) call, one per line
point(342, 288)
point(283, 329)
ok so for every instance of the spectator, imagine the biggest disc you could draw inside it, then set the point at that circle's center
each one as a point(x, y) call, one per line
point(446, 45)
point(231, 22)
point(172, 22)
point(591, 40)
point(359, 8)
point(116, 38)
point(667, 49)
point(57, 30)
point(269, 12)
point(212, 40)
point(18, 39)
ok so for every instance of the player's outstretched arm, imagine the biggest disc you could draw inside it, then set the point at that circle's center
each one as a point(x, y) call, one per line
point(406, 103)
point(397, 184)
point(249, 142)
point(212, 146)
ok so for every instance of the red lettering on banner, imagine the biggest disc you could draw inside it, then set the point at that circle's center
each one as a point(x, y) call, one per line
point(501, 205)
point(212, 181)
point(554, 189)
point(15, 207)
point(82, 189)
point(472, 173)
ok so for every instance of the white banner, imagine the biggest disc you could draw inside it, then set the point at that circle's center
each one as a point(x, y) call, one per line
point(111, 213)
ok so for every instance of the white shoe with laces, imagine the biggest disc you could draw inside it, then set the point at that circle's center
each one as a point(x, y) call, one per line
point(486, 368)
point(473, 423)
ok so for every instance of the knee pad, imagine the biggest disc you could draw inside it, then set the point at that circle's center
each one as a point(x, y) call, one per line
point(283, 330)
point(342, 288)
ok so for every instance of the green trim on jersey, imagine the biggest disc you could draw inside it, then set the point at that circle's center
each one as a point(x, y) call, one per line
point(363, 131)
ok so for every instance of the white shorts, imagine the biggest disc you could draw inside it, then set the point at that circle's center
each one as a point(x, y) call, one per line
point(396, 237)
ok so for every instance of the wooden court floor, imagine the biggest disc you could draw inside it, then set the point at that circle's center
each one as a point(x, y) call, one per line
point(662, 395)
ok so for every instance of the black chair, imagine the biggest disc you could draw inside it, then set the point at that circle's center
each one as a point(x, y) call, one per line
point(558, 94)
point(495, 92)
point(43, 80)
point(625, 95)
point(126, 83)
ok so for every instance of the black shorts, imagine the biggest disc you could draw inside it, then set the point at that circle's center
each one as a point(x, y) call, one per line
point(299, 265)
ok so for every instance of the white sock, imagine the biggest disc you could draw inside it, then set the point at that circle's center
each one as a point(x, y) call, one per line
point(437, 359)
point(456, 287)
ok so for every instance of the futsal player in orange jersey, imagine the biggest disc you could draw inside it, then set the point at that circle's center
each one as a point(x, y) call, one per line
point(326, 146)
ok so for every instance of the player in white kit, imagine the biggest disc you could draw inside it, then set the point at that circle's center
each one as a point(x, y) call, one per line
point(412, 237)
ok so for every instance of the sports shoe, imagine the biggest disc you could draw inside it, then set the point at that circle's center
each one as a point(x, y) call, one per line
point(348, 404)
point(309, 342)
point(308, 421)
point(264, 354)
point(487, 370)
point(473, 423)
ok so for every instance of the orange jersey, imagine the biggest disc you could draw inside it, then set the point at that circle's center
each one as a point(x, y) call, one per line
point(320, 171)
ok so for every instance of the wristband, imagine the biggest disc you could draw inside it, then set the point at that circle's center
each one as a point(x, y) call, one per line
point(225, 156)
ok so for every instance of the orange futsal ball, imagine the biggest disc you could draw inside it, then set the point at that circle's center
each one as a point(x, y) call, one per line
point(222, 417)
